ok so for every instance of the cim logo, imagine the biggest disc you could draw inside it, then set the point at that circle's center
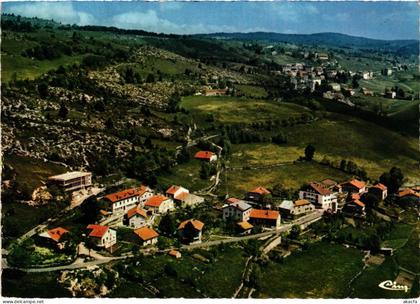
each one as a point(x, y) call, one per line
point(392, 285)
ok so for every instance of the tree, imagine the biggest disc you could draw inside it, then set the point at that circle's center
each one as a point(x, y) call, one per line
point(309, 152)
point(392, 179)
point(167, 225)
point(43, 90)
point(109, 123)
point(63, 112)
point(150, 78)
point(204, 170)
point(370, 200)
point(294, 232)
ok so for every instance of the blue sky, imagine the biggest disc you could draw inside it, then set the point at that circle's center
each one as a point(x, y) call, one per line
point(381, 20)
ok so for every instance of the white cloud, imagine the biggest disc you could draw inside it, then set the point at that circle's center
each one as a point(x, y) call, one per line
point(150, 21)
point(59, 11)
point(293, 11)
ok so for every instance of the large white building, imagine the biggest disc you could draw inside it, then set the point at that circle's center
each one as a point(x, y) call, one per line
point(72, 181)
point(238, 211)
point(320, 196)
point(125, 200)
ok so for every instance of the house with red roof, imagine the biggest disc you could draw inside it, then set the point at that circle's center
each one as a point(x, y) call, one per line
point(182, 196)
point(355, 208)
point(103, 236)
point(159, 204)
point(190, 231)
point(354, 186)
point(238, 211)
point(147, 236)
point(126, 199)
point(206, 155)
point(320, 196)
point(379, 190)
point(257, 195)
point(409, 195)
point(296, 207)
point(53, 237)
point(265, 218)
point(136, 217)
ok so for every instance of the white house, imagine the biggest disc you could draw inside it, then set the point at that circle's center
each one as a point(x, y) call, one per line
point(103, 236)
point(367, 75)
point(147, 236)
point(297, 207)
point(126, 199)
point(354, 186)
point(136, 218)
point(183, 197)
point(159, 204)
point(238, 211)
point(320, 196)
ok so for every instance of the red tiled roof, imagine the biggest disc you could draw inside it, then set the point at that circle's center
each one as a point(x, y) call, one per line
point(232, 200)
point(182, 196)
point(245, 225)
point(146, 233)
point(260, 190)
point(118, 196)
point(301, 202)
point(97, 230)
point(357, 202)
point(135, 210)
point(198, 225)
point(204, 154)
point(57, 233)
point(172, 189)
point(264, 214)
point(380, 186)
point(355, 196)
point(174, 253)
point(156, 200)
point(408, 192)
point(142, 190)
point(319, 188)
point(356, 183)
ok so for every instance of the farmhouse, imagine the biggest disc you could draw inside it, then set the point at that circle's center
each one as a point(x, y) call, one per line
point(367, 92)
point(135, 218)
point(183, 196)
point(266, 218)
point(297, 207)
point(321, 56)
point(409, 195)
point(367, 75)
point(257, 195)
point(190, 231)
point(147, 236)
point(72, 181)
point(390, 94)
point(53, 236)
point(354, 186)
point(206, 155)
point(320, 196)
point(159, 204)
point(238, 211)
point(103, 236)
point(379, 190)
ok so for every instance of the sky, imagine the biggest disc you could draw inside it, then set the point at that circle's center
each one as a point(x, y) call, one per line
point(380, 20)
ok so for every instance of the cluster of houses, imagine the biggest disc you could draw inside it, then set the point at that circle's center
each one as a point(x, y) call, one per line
point(139, 207)
point(251, 211)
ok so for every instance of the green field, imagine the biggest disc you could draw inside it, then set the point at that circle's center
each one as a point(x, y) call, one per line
point(234, 110)
point(187, 175)
point(323, 271)
point(290, 175)
point(370, 146)
point(32, 172)
point(250, 91)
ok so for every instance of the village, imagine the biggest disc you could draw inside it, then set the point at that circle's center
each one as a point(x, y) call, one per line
point(142, 211)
